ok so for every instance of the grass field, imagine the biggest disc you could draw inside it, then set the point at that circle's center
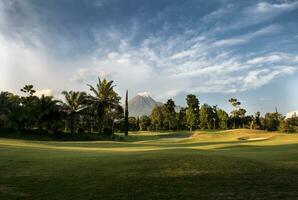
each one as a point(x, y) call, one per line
point(238, 164)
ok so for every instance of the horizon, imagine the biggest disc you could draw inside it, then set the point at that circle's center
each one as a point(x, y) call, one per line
point(216, 50)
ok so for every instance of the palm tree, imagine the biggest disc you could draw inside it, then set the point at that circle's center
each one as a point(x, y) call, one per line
point(105, 100)
point(48, 110)
point(74, 104)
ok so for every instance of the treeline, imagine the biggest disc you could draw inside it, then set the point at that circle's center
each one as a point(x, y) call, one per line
point(101, 112)
point(207, 117)
point(80, 112)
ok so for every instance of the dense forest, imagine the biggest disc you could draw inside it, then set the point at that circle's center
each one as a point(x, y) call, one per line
point(101, 112)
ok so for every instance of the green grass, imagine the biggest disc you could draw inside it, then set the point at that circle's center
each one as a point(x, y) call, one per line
point(208, 165)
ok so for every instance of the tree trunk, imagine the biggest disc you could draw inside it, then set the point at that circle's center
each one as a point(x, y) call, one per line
point(72, 123)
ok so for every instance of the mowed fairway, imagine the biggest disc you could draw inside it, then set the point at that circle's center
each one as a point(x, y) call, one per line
point(207, 165)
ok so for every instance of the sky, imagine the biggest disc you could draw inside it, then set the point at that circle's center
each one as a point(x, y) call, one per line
point(215, 49)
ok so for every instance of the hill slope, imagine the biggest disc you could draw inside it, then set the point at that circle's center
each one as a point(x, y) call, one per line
point(141, 105)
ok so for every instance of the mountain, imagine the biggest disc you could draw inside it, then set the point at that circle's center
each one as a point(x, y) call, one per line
point(142, 104)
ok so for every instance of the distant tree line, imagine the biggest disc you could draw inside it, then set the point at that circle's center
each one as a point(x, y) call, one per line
point(207, 117)
point(101, 112)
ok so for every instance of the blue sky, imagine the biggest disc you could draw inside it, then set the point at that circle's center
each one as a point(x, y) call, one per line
point(215, 49)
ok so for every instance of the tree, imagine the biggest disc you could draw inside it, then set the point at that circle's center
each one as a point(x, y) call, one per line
point(133, 123)
point(223, 118)
point(126, 114)
point(206, 116)
point(157, 118)
point(191, 119)
point(272, 121)
point(74, 103)
point(29, 106)
point(169, 114)
point(11, 112)
point(105, 99)
point(138, 123)
point(289, 125)
point(181, 119)
point(49, 114)
point(28, 89)
point(115, 117)
point(192, 112)
point(257, 121)
point(238, 114)
point(145, 123)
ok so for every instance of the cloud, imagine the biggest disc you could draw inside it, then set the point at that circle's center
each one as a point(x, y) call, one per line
point(271, 58)
point(246, 38)
point(144, 94)
point(273, 9)
point(20, 64)
point(264, 11)
point(247, 15)
point(82, 75)
point(163, 62)
point(258, 78)
point(45, 92)
point(168, 67)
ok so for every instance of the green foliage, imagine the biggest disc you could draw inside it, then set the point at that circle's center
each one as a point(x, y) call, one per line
point(191, 119)
point(272, 121)
point(157, 118)
point(223, 118)
point(145, 123)
point(75, 103)
point(207, 118)
point(192, 113)
point(105, 100)
point(238, 114)
point(169, 115)
point(133, 123)
point(289, 125)
point(192, 102)
point(257, 121)
point(181, 119)
point(83, 113)
point(49, 115)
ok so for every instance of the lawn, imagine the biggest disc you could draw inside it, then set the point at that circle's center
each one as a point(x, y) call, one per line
point(238, 164)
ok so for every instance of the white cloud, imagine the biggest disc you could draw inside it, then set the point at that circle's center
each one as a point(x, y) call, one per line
point(257, 13)
point(268, 8)
point(45, 92)
point(264, 11)
point(81, 75)
point(258, 78)
point(144, 94)
point(246, 38)
point(20, 64)
point(167, 67)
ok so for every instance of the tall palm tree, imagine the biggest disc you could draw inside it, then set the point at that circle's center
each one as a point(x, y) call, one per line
point(105, 99)
point(75, 102)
